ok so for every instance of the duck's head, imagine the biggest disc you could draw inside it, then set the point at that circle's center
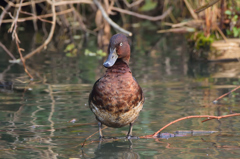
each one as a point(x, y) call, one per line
point(118, 49)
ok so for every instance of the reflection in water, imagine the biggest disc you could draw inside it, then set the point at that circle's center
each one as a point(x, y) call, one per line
point(34, 116)
point(116, 149)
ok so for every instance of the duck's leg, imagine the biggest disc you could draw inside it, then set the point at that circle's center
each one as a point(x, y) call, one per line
point(100, 130)
point(129, 135)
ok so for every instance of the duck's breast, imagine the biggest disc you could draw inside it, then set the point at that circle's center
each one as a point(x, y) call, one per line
point(116, 100)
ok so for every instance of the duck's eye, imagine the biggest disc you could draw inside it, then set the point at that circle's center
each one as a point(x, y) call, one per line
point(121, 44)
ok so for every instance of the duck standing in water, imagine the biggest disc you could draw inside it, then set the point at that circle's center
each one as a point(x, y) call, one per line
point(116, 98)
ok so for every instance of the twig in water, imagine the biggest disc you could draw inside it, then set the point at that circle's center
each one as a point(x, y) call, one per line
point(112, 23)
point(7, 51)
point(216, 100)
point(91, 136)
point(160, 17)
point(189, 117)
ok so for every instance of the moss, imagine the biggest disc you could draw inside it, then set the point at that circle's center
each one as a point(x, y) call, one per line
point(202, 42)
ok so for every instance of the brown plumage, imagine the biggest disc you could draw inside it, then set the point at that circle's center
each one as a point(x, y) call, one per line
point(116, 98)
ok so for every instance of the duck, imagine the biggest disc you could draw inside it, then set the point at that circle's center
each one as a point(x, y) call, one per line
point(116, 98)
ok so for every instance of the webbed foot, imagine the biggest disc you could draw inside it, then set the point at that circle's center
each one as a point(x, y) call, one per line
point(129, 137)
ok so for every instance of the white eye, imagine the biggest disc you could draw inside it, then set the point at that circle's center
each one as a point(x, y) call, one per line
point(121, 44)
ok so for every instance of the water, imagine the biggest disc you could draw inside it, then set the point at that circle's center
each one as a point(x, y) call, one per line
point(35, 117)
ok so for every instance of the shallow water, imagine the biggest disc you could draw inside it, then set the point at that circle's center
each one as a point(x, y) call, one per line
point(35, 115)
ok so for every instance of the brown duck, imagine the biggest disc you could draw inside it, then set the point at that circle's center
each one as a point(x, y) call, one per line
point(116, 98)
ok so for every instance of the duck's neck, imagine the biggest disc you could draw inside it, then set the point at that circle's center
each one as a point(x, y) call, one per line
point(119, 67)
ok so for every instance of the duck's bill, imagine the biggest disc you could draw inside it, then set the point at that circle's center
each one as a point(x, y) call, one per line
point(112, 58)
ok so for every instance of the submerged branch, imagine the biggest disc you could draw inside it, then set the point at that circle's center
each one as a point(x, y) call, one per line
point(189, 117)
point(216, 100)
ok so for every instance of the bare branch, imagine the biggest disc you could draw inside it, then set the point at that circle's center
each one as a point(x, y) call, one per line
point(56, 3)
point(14, 23)
point(132, 4)
point(112, 23)
point(21, 56)
point(33, 7)
point(7, 51)
point(15, 36)
point(144, 16)
point(50, 34)
point(215, 101)
point(202, 8)
point(194, 15)
point(38, 17)
point(4, 12)
point(23, 4)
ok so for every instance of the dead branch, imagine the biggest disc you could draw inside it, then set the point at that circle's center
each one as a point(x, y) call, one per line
point(79, 18)
point(56, 3)
point(15, 37)
point(72, 2)
point(178, 30)
point(7, 51)
point(112, 23)
point(23, 4)
point(14, 23)
point(202, 8)
point(190, 23)
point(50, 34)
point(216, 100)
point(4, 12)
point(142, 16)
point(189, 117)
point(220, 31)
point(38, 17)
point(194, 15)
point(33, 7)
point(21, 56)
point(132, 4)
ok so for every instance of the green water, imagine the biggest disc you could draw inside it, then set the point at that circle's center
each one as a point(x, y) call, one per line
point(34, 116)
